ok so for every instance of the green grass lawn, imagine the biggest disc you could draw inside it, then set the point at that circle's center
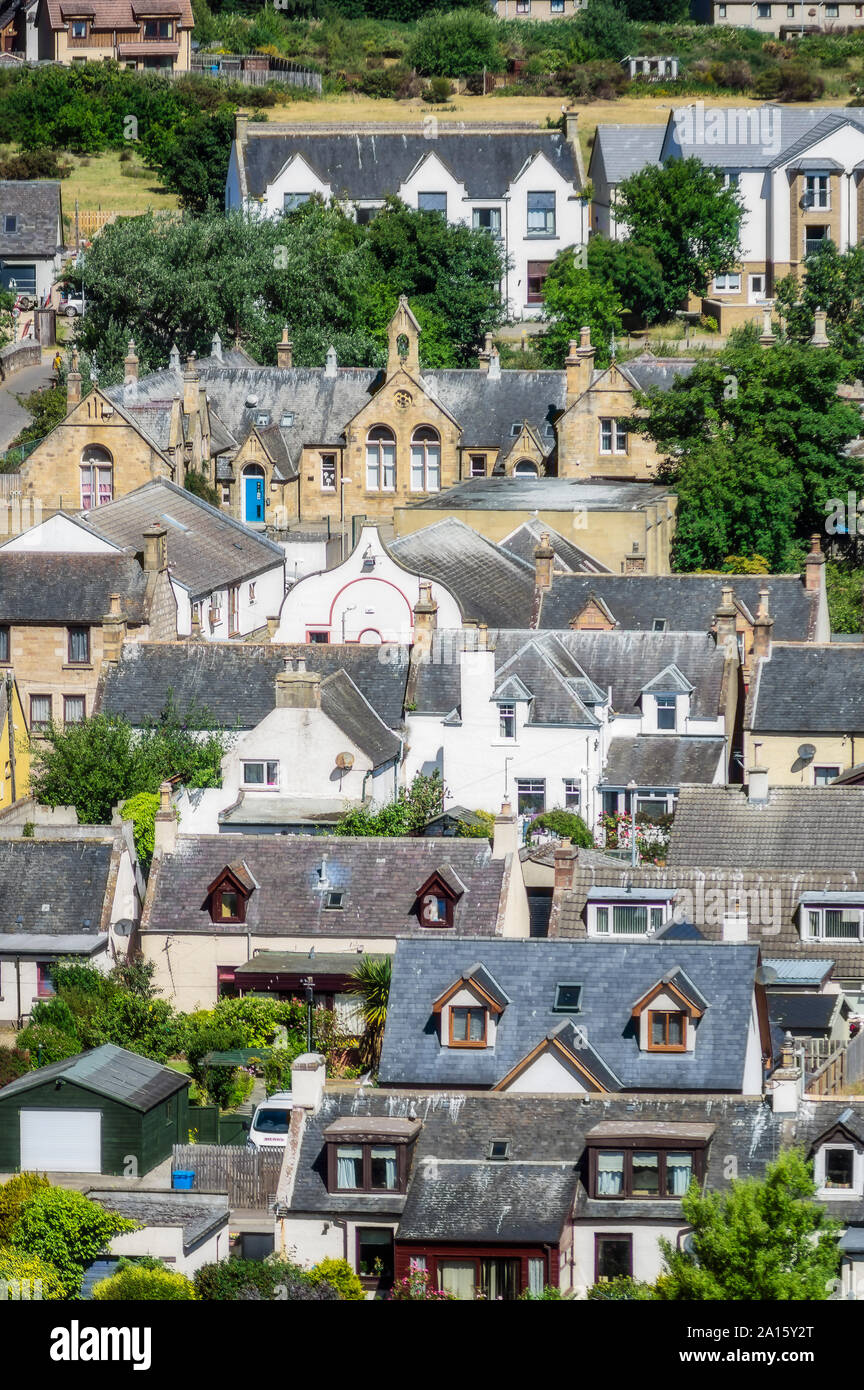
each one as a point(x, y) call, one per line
point(99, 183)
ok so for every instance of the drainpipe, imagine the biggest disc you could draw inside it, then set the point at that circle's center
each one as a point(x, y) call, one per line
point(366, 776)
point(343, 1227)
point(18, 988)
point(10, 690)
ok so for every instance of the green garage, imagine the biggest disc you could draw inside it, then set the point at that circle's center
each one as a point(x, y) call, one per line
point(104, 1111)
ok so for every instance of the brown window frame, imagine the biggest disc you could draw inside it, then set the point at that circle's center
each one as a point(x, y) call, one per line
point(41, 723)
point(234, 610)
point(651, 1046)
point(367, 1145)
point(75, 696)
point(75, 660)
point(628, 1147)
point(468, 1009)
point(532, 297)
point(227, 883)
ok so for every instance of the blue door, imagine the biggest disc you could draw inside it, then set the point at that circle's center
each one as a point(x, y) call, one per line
point(254, 498)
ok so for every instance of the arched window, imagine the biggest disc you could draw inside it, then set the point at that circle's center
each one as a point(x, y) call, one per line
point(97, 477)
point(425, 460)
point(526, 469)
point(380, 459)
point(253, 493)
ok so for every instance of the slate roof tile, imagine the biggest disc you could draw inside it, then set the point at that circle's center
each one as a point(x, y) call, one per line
point(44, 587)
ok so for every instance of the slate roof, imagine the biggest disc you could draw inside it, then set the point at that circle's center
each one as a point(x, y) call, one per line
point(489, 585)
point(36, 203)
point(373, 162)
point(459, 1126)
point(814, 689)
point(770, 897)
point(526, 494)
point(817, 828)
point(663, 760)
point(801, 1012)
point(524, 541)
point(198, 1214)
point(70, 876)
point(321, 963)
point(207, 549)
point(46, 587)
point(380, 879)
point(560, 668)
point(108, 1071)
point(622, 150)
point(459, 1201)
point(685, 601)
point(342, 702)
point(233, 684)
point(611, 973)
point(487, 407)
point(798, 130)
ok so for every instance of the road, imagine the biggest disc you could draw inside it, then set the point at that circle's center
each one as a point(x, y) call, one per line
point(13, 417)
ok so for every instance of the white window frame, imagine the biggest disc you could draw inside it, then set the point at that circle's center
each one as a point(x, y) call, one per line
point(269, 773)
point(328, 463)
point(381, 464)
point(573, 789)
point(506, 715)
point(601, 918)
point(666, 697)
point(729, 283)
point(817, 195)
point(549, 214)
point(755, 296)
point(613, 435)
point(814, 926)
point(425, 462)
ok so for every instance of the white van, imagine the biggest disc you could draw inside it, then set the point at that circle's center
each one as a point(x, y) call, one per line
point(271, 1121)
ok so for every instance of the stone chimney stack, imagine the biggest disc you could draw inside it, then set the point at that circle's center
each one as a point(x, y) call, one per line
point(814, 570)
point(190, 386)
point(565, 858)
point(544, 557)
point(762, 626)
point(165, 835)
point(113, 630)
point(787, 1082)
point(820, 337)
point(216, 347)
point(155, 548)
point(73, 383)
point(494, 365)
point(485, 354)
point(425, 623)
point(241, 124)
point(272, 627)
point(308, 1075)
point(725, 624)
point(579, 365)
point(482, 638)
point(505, 838)
point(571, 124)
point(331, 364)
point(130, 365)
point(298, 689)
point(285, 350)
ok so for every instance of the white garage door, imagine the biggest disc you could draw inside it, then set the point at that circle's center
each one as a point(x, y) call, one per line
point(61, 1141)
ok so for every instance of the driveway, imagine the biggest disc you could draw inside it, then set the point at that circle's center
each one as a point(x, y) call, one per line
point(13, 417)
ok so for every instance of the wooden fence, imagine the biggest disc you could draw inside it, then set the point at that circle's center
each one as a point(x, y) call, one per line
point(840, 1071)
point(249, 1176)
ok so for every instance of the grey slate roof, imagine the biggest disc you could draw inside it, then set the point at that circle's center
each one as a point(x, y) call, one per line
point(612, 975)
point(70, 876)
point(342, 702)
point(108, 1071)
point(489, 585)
point(370, 164)
point(235, 682)
point(658, 760)
point(523, 493)
point(815, 828)
point(459, 1201)
point(321, 963)
point(621, 150)
point(198, 1214)
point(46, 587)
point(524, 541)
point(380, 879)
point(36, 202)
point(685, 601)
point(207, 549)
point(801, 1012)
point(798, 131)
point(814, 689)
point(488, 407)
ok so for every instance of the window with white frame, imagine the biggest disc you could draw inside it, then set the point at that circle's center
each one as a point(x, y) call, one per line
point(292, 201)
point(97, 477)
point(572, 794)
point(613, 437)
point(541, 214)
point(626, 919)
point(666, 711)
point(730, 283)
point(487, 220)
point(823, 776)
point(507, 721)
point(833, 923)
point(328, 472)
point(818, 191)
point(530, 795)
point(261, 774)
point(380, 459)
point(425, 460)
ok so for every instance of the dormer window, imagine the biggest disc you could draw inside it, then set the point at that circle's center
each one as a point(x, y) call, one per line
point(663, 1014)
point(631, 1160)
point(369, 1155)
point(666, 708)
point(839, 1168)
point(471, 1009)
point(437, 898)
point(667, 1031)
point(838, 1158)
point(228, 895)
point(468, 1026)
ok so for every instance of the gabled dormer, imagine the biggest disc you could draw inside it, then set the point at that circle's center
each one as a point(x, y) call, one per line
point(228, 895)
point(594, 616)
point(435, 903)
point(562, 1062)
point(666, 1015)
point(469, 1009)
point(838, 1158)
point(666, 701)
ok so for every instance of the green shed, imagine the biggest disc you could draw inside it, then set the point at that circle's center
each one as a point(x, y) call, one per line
point(104, 1111)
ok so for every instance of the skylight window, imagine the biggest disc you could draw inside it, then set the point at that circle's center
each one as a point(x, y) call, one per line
point(499, 1149)
point(568, 998)
point(659, 625)
point(287, 419)
point(262, 418)
point(334, 899)
point(516, 428)
point(172, 521)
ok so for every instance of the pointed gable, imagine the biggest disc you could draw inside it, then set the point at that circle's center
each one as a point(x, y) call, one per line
point(594, 616)
point(669, 681)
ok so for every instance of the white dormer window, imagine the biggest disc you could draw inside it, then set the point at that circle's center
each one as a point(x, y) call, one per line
point(838, 1163)
point(626, 919)
point(833, 923)
point(666, 711)
point(507, 721)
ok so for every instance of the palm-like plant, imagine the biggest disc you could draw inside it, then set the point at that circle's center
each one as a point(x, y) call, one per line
point(372, 985)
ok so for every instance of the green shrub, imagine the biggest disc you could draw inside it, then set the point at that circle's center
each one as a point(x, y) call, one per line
point(67, 1230)
point(47, 1045)
point(624, 1288)
point(135, 1285)
point(141, 810)
point(28, 1277)
point(566, 824)
point(340, 1276)
point(550, 1293)
point(12, 1063)
point(438, 91)
point(237, 1280)
point(455, 44)
point(198, 485)
point(13, 1195)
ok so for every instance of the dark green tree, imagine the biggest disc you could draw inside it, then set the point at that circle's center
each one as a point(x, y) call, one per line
point(834, 281)
point(633, 272)
point(764, 1241)
point(574, 298)
point(604, 31)
point(455, 44)
point(192, 159)
point(682, 213)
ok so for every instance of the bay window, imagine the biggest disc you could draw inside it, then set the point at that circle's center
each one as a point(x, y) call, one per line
point(642, 1173)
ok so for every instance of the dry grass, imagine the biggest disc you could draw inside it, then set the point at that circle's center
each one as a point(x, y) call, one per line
point(99, 184)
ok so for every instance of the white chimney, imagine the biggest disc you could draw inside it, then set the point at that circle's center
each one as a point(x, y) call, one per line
point(308, 1074)
point(331, 363)
point(787, 1082)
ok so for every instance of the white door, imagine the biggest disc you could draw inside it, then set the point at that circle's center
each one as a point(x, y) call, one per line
point(61, 1141)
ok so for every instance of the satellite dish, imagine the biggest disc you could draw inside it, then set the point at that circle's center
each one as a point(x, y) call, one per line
point(807, 751)
point(124, 927)
point(345, 761)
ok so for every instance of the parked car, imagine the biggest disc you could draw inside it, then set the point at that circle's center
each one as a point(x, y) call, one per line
point(72, 306)
point(271, 1122)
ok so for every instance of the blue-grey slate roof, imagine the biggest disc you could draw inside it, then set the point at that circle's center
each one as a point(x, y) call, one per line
point(474, 1202)
point(107, 1071)
point(817, 689)
point(658, 760)
point(612, 974)
point(52, 887)
point(621, 150)
point(36, 204)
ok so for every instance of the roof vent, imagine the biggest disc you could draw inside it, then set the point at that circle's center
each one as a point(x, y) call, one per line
point(251, 400)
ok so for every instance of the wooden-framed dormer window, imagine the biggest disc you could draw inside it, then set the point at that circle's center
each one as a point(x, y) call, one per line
point(78, 29)
point(228, 895)
point(468, 1025)
point(437, 898)
point(667, 1030)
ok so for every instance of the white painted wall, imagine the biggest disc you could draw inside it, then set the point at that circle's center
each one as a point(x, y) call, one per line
point(304, 557)
point(647, 1260)
point(260, 599)
point(166, 1243)
point(61, 534)
point(549, 1074)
